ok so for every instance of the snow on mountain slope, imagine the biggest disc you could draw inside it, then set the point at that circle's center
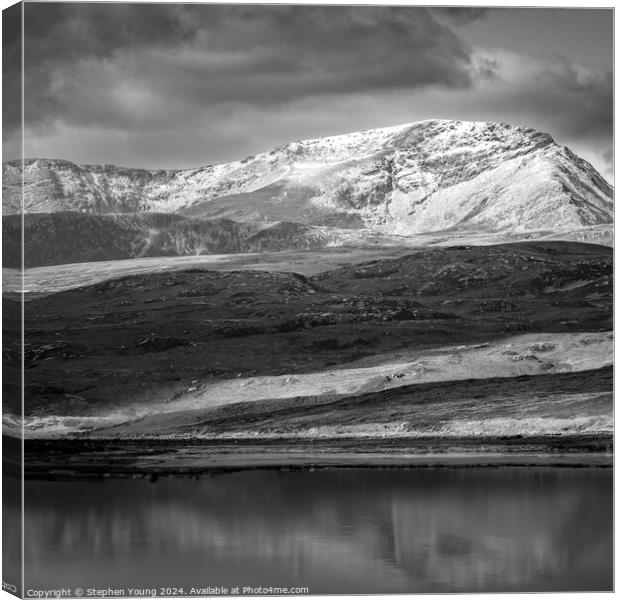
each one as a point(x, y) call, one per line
point(414, 178)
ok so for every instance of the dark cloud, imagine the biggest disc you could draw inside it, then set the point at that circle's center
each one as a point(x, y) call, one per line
point(462, 14)
point(62, 36)
point(575, 100)
point(59, 31)
point(80, 57)
point(11, 68)
point(586, 103)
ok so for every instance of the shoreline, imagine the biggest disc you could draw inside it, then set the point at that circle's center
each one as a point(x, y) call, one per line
point(99, 459)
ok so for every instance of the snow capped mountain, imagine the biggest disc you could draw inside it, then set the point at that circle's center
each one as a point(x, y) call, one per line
point(415, 178)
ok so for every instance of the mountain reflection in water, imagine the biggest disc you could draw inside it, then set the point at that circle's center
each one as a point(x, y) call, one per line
point(340, 531)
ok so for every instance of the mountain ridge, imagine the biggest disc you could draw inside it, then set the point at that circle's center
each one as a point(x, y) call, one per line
point(418, 177)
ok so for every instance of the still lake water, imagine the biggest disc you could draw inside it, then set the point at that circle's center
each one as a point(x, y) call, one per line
point(339, 531)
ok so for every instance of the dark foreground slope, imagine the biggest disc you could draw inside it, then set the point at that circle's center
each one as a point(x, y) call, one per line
point(68, 238)
point(72, 237)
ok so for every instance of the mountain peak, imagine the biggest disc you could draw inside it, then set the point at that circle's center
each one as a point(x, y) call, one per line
point(436, 134)
point(426, 176)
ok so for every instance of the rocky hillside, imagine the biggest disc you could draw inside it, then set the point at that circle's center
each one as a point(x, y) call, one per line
point(415, 178)
point(505, 271)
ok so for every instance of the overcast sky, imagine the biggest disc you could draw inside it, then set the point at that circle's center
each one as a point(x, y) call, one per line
point(173, 86)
